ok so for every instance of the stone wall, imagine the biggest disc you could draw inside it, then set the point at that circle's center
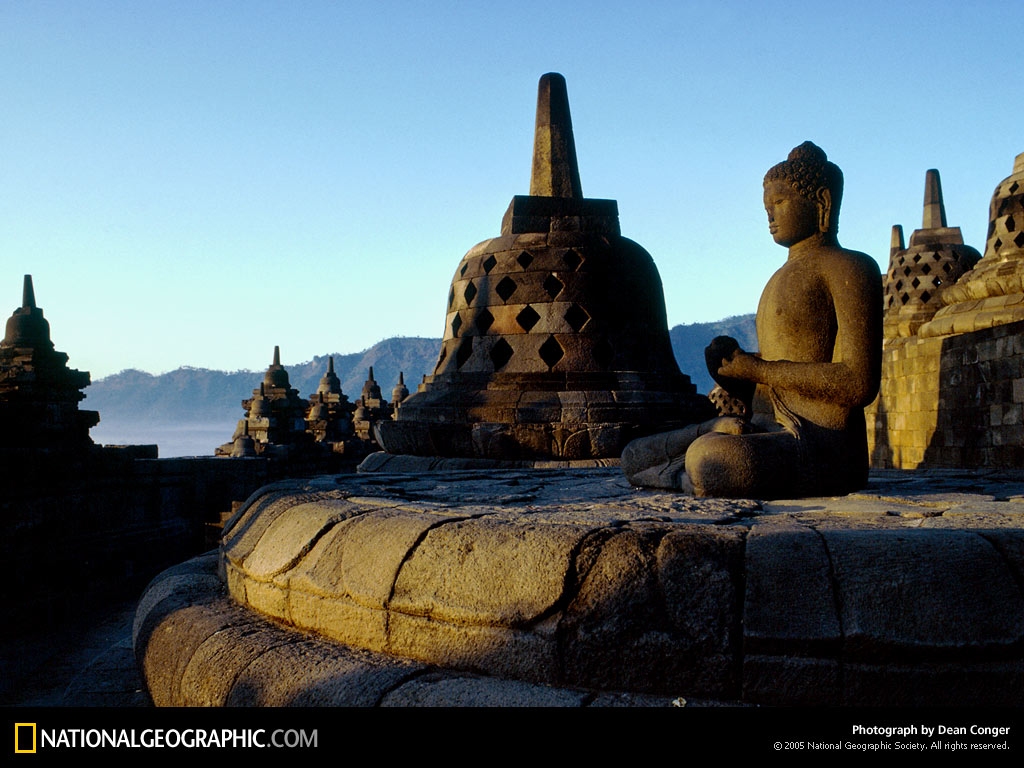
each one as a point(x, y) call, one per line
point(950, 401)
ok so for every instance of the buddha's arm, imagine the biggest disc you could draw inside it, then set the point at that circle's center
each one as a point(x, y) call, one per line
point(850, 381)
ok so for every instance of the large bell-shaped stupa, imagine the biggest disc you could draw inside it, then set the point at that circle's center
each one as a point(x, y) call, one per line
point(556, 343)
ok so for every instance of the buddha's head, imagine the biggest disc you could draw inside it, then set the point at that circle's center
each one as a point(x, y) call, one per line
point(802, 196)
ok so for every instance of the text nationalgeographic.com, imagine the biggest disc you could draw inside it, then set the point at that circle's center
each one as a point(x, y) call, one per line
point(160, 738)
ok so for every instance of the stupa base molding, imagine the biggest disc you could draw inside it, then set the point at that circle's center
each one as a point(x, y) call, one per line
point(407, 464)
point(566, 588)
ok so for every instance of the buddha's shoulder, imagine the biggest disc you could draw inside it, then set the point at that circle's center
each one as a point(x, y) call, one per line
point(845, 263)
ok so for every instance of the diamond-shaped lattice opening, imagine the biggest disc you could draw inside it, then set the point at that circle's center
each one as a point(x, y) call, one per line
point(1003, 205)
point(470, 292)
point(525, 259)
point(1010, 224)
point(917, 257)
point(1019, 240)
point(890, 302)
point(899, 285)
point(991, 229)
point(572, 259)
point(441, 357)
point(947, 267)
point(551, 352)
point(489, 263)
point(603, 353)
point(484, 320)
point(576, 316)
point(936, 256)
point(904, 298)
point(553, 286)
point(451, 297)
point(456, 324)
point(505, 288)
point(925, 269)
point(901, 260)
point(500, 354)
point(906, 272)
point(464, 351)
point(925, 296)
point(915, 282)
point(1013, 188)
point(997, 244)
point(462, 272)
point(527, 318)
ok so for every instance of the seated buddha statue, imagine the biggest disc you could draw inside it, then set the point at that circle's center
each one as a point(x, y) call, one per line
point(800, 429)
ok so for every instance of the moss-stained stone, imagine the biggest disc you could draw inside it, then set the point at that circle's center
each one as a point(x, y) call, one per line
point(487, 571)
point(891, 594)
point(360, 558)
point(789, 604)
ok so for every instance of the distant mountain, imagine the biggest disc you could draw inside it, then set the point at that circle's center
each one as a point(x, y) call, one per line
point(198, 395)
point(688, 342)
point(193, 396)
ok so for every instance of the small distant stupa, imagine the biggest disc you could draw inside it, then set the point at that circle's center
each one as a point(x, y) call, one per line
point(275, 417)
point(918, 275)
point(556, 341)
point(330, 413)
point(39, 394)
point(371, 409)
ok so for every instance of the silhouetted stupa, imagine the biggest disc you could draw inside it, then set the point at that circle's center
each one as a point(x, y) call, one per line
point(39, 394)
point(556, 342)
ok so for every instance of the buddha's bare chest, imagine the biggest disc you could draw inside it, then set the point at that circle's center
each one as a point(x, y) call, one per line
point(796, 317)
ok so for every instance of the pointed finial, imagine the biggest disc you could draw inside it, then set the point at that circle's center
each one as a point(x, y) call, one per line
point(896, 240)
point(245, 427)
point(28, 296)
point(330, 364)
point(401, 378)
point(555, 170)
point(371, 373)
point(277, 355)
point(934, 210)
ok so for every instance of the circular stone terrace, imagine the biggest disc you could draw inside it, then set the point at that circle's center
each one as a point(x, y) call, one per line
point(570, 587)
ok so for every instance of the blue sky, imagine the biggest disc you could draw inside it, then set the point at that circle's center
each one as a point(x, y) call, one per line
point(194, 182)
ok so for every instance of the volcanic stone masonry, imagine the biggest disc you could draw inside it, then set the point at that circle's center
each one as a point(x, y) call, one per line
point(556, 342)
point(953, 385)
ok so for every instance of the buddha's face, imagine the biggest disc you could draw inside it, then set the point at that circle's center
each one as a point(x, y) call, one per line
point(792, 218)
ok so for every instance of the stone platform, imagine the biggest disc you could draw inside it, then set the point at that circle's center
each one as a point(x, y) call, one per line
point(569, 587)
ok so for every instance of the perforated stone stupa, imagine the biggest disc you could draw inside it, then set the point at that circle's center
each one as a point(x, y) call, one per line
point(556, 342)
point(917, 275)
point(39, 394)
point(992, 293)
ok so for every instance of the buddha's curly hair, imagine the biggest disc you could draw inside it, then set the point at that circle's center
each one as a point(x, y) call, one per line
point(807, 168)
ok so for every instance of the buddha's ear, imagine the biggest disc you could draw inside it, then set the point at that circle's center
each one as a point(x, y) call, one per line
point(824, 199)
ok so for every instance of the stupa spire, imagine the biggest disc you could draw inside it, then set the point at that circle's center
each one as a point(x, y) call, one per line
point(277, 356)
point(330, 364)
point(28, 295)
point(555, 170)
point(896, 243)
point(934, 210)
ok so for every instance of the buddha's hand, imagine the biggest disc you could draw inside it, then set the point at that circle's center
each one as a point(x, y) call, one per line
point(720, 355)
point(739, 365)
point(720, 348)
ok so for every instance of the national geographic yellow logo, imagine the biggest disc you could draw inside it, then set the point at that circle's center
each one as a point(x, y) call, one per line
point(22, 738)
